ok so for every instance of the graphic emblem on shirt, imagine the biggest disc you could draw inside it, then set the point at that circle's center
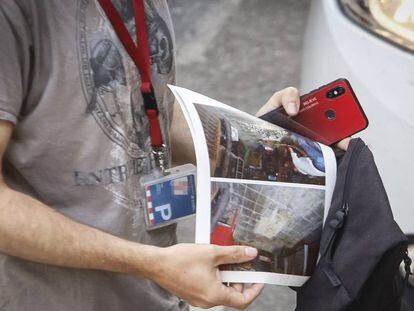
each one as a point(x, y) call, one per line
point(160, 41)
point(110, 79)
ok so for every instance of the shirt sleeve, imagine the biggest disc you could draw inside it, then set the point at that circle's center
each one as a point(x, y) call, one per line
point(15, 47)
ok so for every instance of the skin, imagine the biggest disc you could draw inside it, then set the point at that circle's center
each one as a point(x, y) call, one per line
point(34, 231)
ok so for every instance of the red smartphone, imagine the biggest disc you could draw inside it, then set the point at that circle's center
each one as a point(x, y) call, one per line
point(327, 114)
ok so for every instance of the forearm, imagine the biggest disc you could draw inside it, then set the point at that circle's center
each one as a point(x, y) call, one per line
point(181, 141)
point(35, 232)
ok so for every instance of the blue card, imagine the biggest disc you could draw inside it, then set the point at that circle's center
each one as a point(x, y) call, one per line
point(170, 200)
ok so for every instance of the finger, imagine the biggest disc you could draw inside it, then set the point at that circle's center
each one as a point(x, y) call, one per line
point(224, 255)
point(274, 102)
point(288, 97)
point(343, 144)
point(238, 287)
point(241, 300)
point(291, 100)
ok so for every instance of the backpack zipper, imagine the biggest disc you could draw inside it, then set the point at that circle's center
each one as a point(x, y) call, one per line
point(338, 221)
point(349, 174)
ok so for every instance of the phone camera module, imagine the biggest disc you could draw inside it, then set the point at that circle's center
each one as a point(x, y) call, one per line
point(335, 92)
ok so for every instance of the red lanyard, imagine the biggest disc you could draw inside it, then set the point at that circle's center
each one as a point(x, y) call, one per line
point(141, 57)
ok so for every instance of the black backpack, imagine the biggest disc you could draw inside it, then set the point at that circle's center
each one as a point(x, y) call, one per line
point(361, 246)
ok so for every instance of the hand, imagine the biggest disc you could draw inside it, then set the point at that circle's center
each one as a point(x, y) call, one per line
point(190, 271)
point(290, 100)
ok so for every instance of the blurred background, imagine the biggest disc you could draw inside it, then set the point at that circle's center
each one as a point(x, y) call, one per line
point(241, 52)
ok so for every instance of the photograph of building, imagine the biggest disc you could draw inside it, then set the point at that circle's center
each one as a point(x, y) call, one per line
point(283, 223)
point(244, 147)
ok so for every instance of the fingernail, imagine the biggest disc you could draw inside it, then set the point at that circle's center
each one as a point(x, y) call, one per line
point(291, 108)
point(250, 252)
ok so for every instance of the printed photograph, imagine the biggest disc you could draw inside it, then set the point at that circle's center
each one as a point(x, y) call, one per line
point(241, 146)
point(283, 223)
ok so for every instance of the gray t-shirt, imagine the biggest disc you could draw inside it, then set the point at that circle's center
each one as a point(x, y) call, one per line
point(81, 142)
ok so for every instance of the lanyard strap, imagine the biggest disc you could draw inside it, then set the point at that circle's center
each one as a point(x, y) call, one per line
point(141, 57)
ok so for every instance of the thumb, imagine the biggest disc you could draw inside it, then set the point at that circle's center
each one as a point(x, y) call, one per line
point(343, 144)
point(234, 254)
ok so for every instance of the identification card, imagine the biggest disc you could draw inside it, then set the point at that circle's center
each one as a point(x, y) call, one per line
point(171, 197)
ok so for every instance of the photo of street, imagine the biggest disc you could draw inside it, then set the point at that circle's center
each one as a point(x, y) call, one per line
point(275, 220)
point(241, 146)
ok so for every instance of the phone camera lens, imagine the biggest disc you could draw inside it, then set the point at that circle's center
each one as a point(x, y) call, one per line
point(330, 114)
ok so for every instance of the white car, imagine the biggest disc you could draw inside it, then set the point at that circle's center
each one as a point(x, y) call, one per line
point(371, 43)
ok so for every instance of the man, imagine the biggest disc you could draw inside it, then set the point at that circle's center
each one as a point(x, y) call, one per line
point(74, 142)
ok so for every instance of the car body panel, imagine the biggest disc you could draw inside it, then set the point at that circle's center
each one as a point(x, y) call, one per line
point(382, 77)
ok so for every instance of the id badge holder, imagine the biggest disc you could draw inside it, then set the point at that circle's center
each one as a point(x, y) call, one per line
point(169, 196)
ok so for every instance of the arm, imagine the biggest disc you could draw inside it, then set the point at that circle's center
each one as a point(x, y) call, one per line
point(33, 231)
